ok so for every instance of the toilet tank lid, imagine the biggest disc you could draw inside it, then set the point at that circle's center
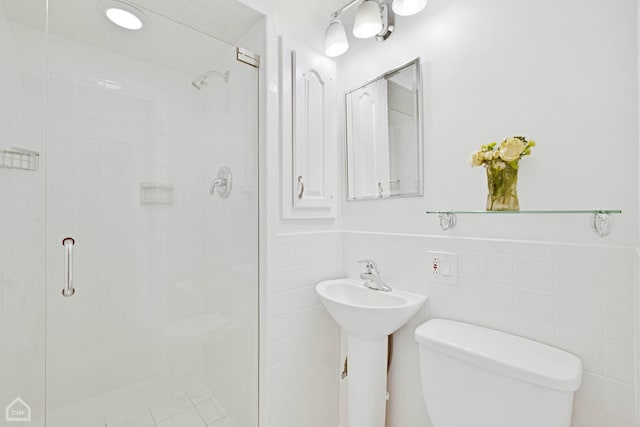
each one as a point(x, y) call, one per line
point(507, 354)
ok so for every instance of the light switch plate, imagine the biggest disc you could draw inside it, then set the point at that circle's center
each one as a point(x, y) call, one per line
point(442, 267)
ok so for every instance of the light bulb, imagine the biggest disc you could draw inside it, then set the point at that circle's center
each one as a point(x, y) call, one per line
point(123, 14)
point(335, 39)
point(368, 20)
point(408, 7)
point(124, 19)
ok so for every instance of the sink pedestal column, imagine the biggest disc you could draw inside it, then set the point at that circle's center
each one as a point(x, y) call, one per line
point(367, 382)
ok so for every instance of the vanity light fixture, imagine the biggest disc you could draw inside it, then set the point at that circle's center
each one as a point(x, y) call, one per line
point(374, 18)
point(123, 14)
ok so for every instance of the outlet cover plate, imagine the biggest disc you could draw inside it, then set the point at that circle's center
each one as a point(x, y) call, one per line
point(442, 267)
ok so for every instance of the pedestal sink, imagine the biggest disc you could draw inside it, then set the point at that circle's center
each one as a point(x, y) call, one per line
point(368, 317)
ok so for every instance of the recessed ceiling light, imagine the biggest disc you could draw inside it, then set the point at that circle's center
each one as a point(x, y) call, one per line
point(123, 14)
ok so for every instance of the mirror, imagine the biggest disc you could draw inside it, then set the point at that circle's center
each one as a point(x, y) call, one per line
point(384, 136)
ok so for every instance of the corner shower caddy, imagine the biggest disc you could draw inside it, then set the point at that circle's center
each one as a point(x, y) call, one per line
point(601, 222)
point(19, 158)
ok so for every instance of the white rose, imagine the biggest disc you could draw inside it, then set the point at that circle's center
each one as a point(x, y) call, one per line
point(476, 158)
point(511, 148)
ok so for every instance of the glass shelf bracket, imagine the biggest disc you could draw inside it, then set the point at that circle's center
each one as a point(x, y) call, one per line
point(601, 221)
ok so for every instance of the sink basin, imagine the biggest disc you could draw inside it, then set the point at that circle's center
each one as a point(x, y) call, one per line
point(367, 316)
point(365, 313)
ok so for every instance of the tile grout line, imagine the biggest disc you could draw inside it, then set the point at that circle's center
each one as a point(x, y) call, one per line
point(196, 408)
point(152, 417)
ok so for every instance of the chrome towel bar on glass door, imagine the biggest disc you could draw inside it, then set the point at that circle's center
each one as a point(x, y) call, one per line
point(68, 243)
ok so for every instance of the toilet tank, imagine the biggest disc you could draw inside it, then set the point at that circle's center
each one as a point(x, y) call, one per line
point(478, 377)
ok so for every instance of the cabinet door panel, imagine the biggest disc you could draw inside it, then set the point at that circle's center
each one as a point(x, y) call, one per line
point(309, 132)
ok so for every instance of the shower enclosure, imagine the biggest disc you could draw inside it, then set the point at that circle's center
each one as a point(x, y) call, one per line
point(129, 214)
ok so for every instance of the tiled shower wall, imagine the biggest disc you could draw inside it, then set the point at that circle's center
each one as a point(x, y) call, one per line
point(22, 196)
point(230, 353)
point(134, 328)
point(132, 336)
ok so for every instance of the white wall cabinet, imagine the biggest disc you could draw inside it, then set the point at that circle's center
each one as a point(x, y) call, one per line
point(308, 111)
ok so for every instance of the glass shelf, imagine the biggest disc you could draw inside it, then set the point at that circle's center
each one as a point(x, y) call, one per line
point(601, 222)
point(590, 211)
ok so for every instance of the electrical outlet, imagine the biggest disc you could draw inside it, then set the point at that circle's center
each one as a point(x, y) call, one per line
point(443, 267)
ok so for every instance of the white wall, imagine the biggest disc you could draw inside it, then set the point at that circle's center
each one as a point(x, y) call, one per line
point(302, 341)
point(564, 74)
point(561, 74)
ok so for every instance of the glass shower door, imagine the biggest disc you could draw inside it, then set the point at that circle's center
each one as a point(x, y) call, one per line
point(162, 325)
point(22, 213)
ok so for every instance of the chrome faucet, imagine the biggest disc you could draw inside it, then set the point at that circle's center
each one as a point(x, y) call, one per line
point(372, 278)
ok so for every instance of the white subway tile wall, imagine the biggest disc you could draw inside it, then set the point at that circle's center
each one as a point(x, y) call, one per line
point(578, 298)
point(303, 341)
point(22, 228)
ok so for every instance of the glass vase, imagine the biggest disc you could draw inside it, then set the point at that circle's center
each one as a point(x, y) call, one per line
point(502, 182)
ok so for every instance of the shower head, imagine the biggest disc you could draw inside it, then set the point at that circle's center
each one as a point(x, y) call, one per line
point(201, 81)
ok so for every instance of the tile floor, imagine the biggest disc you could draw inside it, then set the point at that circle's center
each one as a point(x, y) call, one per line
point(194, 408)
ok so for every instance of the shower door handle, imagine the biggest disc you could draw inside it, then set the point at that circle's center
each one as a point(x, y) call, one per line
point(68, 290)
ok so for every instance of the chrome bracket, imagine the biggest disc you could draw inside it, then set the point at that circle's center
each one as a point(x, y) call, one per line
point(388, 22)
point(601, 223)
point(447, 220)
point(248, 57)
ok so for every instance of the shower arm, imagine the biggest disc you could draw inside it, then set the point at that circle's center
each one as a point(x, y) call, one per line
point(200, 81)
point(224, 75)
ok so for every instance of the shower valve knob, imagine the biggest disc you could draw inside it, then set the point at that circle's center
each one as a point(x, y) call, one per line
point(223, 183)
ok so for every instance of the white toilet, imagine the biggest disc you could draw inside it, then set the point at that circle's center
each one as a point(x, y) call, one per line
point(479, 377)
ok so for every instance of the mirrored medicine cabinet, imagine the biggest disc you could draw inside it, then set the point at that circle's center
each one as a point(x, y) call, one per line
point(384, 135)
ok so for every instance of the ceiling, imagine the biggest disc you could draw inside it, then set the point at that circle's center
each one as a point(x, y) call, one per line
point(198, 33)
